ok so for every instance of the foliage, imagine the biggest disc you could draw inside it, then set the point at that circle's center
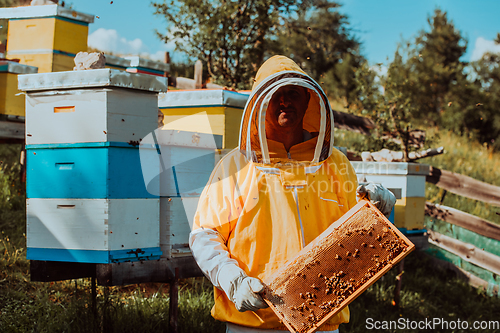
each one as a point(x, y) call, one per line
point(392, 109)
point(234, 38)
point(231, 37)
point(427, 83)
point(320, 40)
point(480, 116)
point(434, 66)
point(12, 191)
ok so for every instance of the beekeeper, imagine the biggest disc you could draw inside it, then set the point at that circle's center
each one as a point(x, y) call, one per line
point(267, 199)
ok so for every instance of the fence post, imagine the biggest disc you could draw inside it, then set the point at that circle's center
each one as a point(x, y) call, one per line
point(174, 302)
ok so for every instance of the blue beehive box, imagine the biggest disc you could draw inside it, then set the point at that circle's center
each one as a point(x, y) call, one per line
point(87, 170)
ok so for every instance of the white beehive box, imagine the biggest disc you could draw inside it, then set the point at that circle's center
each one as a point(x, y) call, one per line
point(101, 105)
point(176, 222)
point(406, 181)
point(93, 230)
point(186, 161)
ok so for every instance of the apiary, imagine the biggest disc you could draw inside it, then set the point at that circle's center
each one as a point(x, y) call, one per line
point(10, 102)
point(47, 37)
point(407, 182)
point(335, 268)
point(87, 198)
point(147, 66)
point(187, 110)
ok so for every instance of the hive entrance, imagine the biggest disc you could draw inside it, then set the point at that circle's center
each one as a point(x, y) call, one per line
point(335, 268)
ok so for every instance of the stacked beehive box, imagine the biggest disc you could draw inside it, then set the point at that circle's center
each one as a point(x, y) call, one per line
point(187, 110)
point(407, 182)
point(47, 37)
point(87, 199)
point(187, 160)
point(12, 103)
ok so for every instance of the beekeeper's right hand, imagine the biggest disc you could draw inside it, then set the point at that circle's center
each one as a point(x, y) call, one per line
point(241, 289)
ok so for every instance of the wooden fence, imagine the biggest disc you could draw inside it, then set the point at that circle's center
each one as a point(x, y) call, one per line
point(464, 242)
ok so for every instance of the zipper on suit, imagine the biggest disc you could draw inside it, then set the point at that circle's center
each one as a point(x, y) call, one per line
point(298, 213)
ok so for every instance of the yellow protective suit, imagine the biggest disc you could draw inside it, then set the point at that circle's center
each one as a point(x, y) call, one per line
point(263, 204)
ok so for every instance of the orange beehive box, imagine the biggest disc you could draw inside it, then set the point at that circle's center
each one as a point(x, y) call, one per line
point(335, 268)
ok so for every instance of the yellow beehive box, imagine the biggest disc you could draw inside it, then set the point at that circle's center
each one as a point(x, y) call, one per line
point(212, 111)
point(46, 62)
point(47, 37)
point(406, 181)
point(11, 102)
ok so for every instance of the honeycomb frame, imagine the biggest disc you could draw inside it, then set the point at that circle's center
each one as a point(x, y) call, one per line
point(335, 268)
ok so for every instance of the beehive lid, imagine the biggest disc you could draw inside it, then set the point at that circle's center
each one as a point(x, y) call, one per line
point(202, 97)
point(335, 268)
point(138, 62)
point(104, 77)
point(25, 12)
point(16, 68)
point(117, 61)
point(390, 168)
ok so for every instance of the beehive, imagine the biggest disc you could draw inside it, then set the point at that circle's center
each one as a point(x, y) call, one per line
point(187, 160)
point(11, 102)
point(47, 37)
point(335, 268)
point(187, 110)
point(87, 198)
point(407, 182)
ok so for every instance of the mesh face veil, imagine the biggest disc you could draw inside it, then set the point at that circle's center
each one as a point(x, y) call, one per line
point(318, 118)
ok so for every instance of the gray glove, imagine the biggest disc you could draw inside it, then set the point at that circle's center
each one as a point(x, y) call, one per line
point(241, 289)
point(378, 195)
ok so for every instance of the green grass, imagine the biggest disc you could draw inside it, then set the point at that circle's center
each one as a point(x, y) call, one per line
point(66, 306)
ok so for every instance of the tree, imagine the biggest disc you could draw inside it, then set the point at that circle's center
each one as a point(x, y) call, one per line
point(481, 115)
point(320, 40)
point(434, 66)
point(388, 103)
point(230, 36)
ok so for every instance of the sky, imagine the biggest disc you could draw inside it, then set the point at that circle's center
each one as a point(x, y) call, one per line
point(128, 26)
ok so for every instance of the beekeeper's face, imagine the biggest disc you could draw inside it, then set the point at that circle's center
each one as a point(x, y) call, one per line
point(287, 108)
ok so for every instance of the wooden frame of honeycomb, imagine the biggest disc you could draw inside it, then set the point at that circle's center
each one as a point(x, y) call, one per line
point(335, 268)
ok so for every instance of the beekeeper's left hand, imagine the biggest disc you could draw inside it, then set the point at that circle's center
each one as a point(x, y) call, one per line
point(378, 195)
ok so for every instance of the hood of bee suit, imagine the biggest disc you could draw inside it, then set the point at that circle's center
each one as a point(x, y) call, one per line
point(276, 72)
